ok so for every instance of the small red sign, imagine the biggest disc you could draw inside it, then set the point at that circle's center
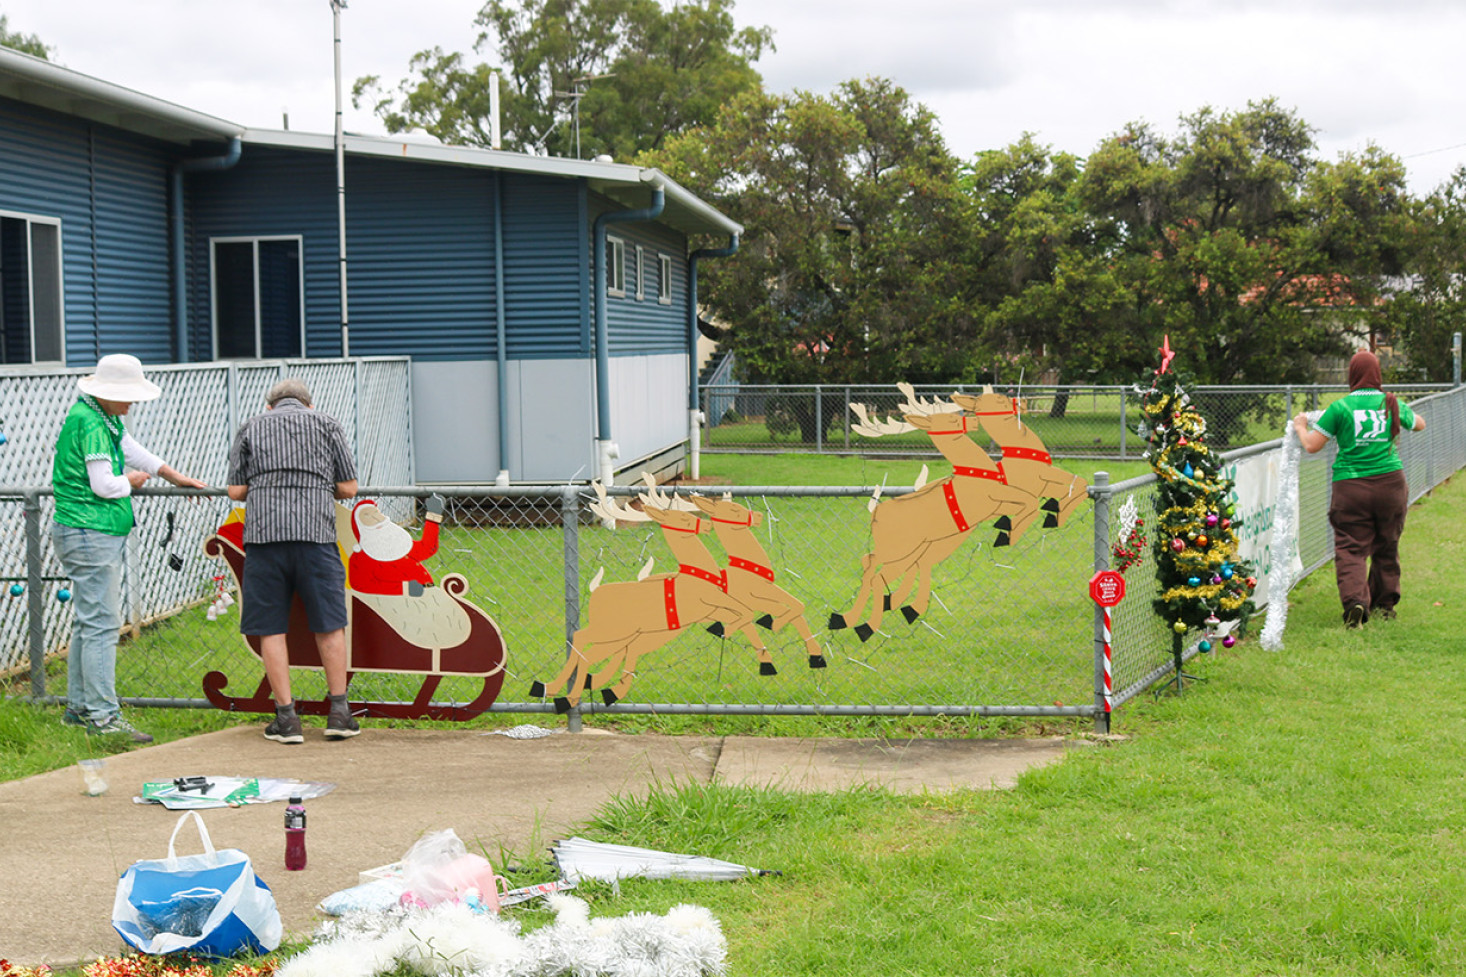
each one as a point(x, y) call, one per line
point(1107, 588)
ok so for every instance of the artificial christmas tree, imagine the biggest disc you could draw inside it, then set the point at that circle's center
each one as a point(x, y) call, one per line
point(1203, 584)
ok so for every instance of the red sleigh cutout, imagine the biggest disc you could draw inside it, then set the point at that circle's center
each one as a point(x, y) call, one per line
point(373, 644)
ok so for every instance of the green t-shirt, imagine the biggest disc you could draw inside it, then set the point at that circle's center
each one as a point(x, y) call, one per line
point(88, 433)
point(1361, 426)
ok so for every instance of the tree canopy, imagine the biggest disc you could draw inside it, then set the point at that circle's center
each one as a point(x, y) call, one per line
point(25, 43)
point(581, 77)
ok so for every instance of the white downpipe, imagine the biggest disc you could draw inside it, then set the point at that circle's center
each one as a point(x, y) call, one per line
point(336, 6)
point(496, 132)
point(694, 439)
point(606, 454)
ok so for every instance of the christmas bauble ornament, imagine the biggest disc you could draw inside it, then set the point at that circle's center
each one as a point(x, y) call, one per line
point(1231, 510)
point(63, 595)
point(1215, 580)
point(1204, 647)
point(1226, 524)
point(1179, 627)
point(1226, 573)
point(1228, 641)
point(1251, 583)
point(1201, 541)
point(1178, 544)
point(1211, 519)
point(16, 589)
point(1211, 622)
point(1193, 581)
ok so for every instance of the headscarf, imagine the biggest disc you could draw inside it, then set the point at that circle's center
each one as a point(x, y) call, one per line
point(1364, 373)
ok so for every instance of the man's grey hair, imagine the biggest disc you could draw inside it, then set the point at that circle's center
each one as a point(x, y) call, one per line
point(289, 387)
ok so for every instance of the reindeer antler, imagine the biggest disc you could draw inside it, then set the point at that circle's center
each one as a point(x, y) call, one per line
point(872, 427)
point(664, 500)
point(610, 510)
point(915, 405)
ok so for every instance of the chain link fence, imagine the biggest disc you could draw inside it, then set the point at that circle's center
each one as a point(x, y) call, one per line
point(1096, 422)
point(1010, 630)
point(1141, 644)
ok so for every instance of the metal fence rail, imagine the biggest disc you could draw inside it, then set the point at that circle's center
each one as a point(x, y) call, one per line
point(1074, 421)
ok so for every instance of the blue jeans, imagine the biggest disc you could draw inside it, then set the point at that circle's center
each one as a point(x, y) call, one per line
point(94, 561)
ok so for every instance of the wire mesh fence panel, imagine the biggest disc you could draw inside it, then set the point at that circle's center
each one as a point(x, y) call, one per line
point(1091, 421)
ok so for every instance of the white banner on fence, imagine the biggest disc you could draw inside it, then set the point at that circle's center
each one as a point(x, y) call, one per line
point(1254, 494)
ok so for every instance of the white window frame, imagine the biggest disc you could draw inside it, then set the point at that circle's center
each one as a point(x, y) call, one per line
point(299, 239)
point(664, 279)
point(640, 273)
point(30, 272)
point(616, 267)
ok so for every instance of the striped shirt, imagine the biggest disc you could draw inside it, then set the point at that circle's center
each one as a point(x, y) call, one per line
point(291, 457)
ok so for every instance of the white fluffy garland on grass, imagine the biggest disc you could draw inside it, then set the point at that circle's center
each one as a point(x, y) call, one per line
point(450, 940)
point(1285, 537)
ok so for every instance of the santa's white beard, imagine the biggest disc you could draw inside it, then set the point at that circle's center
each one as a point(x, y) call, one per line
point(384, 542)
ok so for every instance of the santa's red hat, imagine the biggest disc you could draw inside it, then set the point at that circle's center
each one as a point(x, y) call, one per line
point(355, 515)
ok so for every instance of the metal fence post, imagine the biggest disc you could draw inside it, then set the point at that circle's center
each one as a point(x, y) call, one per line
point(1124, 423)
point(36, 599)
point(570, 518)
point(1100, 490)
point(819, 419)
point(845, 414)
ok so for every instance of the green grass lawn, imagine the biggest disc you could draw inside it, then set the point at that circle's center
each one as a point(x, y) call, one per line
point(1297, 814)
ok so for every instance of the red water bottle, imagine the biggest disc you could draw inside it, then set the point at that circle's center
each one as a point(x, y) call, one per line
point(295, 835)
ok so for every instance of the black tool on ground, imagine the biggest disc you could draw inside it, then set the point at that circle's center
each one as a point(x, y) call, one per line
point(185, 784)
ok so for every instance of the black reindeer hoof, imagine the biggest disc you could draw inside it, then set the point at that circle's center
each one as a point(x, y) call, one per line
point(716, 629)
point(562, 705)
point(537, 690)
point(864, 631)
point(1002, 540)
point(1003, 523)
point(587, 680)
point(1051, 505)
point(886, 602)
point(816, 661)
point(608, 697)
point(837, 622)
point(1050, 520)
point(767, 668)
point(910, 613)
point(767, 621)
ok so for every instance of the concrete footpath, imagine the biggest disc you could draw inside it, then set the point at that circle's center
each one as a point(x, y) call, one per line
point(63, 850)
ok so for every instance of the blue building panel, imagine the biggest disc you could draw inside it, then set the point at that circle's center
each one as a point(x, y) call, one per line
point(109, 190)
point(544, 268)
point(420, 260)
point(637, 324)
point(268, 193)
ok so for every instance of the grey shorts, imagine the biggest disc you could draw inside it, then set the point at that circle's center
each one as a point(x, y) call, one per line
point(286, 579)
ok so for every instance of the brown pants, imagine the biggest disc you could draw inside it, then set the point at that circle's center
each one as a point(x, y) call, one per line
point(1368, 516)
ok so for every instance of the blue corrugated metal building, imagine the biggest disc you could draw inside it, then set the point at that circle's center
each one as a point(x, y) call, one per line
point(129, 224)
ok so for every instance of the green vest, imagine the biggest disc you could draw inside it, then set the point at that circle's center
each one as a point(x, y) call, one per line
point(89, 433)
point(1360, 425)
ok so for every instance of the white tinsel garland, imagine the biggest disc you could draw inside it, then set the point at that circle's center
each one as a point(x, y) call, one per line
point(450, 939)
point(1285, 537)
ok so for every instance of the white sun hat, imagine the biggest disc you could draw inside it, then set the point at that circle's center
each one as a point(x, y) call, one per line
point(119, 377)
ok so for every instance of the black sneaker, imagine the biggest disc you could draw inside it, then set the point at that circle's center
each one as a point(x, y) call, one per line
point(341, 725)
point(1354, 617)
point(117, 726)
point(285, 729)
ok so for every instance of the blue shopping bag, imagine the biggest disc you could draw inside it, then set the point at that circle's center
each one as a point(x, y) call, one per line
point(211, 904)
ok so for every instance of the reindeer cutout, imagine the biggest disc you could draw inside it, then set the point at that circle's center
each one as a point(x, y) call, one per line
point(911, 534)
point(626, 620)
point(751, 576)
point(1026, 462)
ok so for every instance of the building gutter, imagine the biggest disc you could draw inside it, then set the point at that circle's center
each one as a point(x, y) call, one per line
point(606, 450)
point(180, 282)
point(695, 416)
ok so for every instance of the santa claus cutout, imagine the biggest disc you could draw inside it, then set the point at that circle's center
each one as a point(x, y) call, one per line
point(386, 560)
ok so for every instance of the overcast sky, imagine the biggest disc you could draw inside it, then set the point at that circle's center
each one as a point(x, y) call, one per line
point(1071, 71)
